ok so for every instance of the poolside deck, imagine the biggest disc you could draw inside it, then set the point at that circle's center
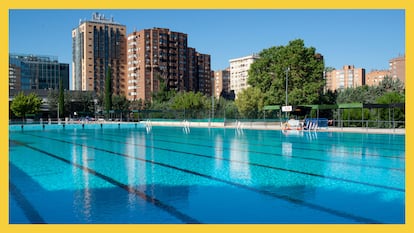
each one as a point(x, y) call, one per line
point(276, 126)
point(235, 125)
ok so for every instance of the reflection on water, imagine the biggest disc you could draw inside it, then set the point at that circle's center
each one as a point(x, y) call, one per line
point(131, 167)
point(218, 148)
point(239, 152)
point(296, 133)
point(86, 190)
point(309, 135)
point(287, 149)
point(216, 177)
point(83, 195)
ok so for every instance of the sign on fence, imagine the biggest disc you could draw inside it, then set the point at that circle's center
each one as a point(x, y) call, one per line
point(286, 108)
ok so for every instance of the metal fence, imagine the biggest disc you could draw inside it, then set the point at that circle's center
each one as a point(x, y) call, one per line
point(386, 124)
point(218, 117)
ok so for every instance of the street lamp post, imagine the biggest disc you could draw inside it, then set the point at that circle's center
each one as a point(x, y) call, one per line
point(95, 101)
point(212, 98)
point(212, 107)
point(58, 112)
point(286, 101)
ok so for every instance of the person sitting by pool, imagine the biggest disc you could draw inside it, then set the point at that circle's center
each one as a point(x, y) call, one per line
point(292, 124)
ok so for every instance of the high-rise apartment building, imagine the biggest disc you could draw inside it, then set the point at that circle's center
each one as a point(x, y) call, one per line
point(221, 83)
point(239, 68)
point(97, 44)
point(397, 68)
point(36, 72)
point(159, 55)
point(348, 77)
point(192, 69)
point(374, 77)
point(203, 74)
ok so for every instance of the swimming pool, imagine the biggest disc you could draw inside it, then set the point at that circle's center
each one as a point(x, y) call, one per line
point(204, 175)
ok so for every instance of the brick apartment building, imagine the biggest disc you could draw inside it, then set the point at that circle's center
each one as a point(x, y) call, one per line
point(397, 68)
point(348, 77)
point(221, 83)
point(159, 55)
point(97, 44)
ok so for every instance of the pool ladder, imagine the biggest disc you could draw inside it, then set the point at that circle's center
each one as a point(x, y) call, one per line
point(186, 127)
point(239, 128)
point(148, 126)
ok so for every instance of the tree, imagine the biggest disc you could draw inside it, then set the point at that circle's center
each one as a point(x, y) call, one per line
point(329, 69)
point(61, 99)
point(370, 94)
point(389, 84)
point(397, 114)
point(22, 104)
point(137, 104)
point(120, 103)
point(329, 97)
point(192, 103)
point(86, 102)
point(108, 90)
point(163, 94)
point(189, 100)
point(303, 66)
point(391, 98)
point(250, 102)
point(361, 94)
point(53, 101)
point(226, 108)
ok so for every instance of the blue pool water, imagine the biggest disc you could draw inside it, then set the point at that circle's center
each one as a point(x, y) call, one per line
point(172, 175)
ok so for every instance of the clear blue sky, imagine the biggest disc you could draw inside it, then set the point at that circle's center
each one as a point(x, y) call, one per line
point(364, 38)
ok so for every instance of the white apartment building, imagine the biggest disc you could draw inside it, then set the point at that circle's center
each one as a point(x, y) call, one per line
point(239, 68)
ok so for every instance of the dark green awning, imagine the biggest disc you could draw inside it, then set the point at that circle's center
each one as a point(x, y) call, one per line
point(339, 106)
point(322, 106)
point(350, 105)
point(271, 107)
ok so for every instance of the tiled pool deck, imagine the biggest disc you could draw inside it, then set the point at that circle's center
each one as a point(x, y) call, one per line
point(240, 125)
